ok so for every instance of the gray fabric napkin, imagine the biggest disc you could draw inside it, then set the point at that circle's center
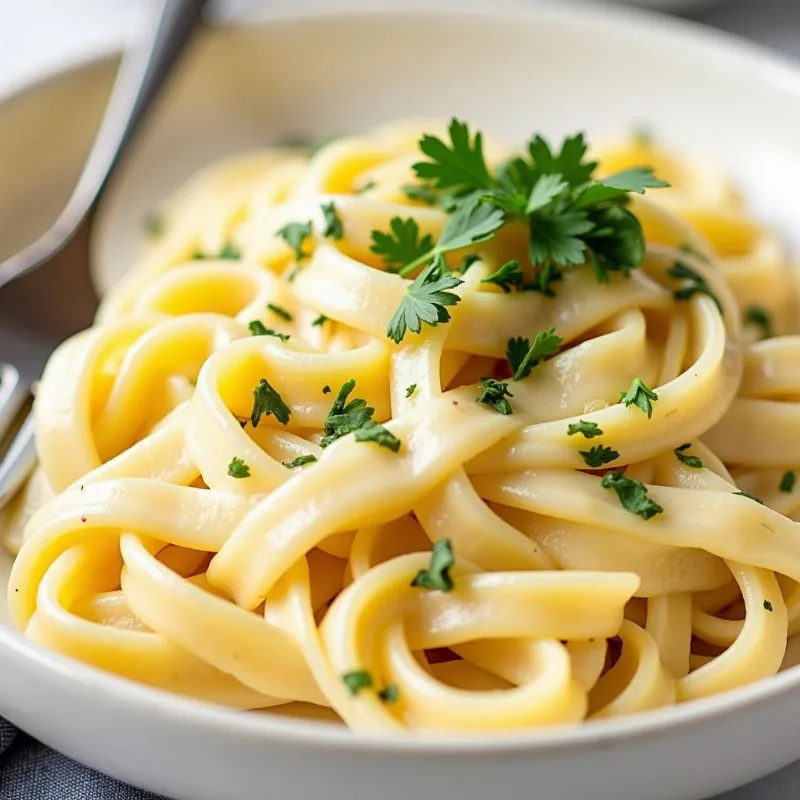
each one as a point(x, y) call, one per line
point(31, 771)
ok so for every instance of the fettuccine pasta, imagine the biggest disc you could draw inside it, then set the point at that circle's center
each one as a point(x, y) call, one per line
point(409, 447)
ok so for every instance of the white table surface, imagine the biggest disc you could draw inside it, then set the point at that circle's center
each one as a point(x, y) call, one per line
point(36, 34)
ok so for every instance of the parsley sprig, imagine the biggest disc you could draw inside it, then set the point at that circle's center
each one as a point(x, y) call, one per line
point(238, 468)
point(588, 429)
point(599, 455)
point(437, 575)
point(346, 416)
point(524, 356)
point(640, 396)
point(493, 394)
point(295, 234)
point(267, 401)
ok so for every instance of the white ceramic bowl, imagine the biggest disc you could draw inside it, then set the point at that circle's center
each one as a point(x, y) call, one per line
point(510, 71)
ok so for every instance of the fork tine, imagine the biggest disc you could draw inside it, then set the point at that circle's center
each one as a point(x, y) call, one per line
point(18, 462)
point(13, 395)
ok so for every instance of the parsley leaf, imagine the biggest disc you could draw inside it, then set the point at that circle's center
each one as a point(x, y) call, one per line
point(787, 482)
point(472, 223)
point(357, 680)
point(333, 224)
point(257, 328)
point(632, 495)
point(346, 417)
point(524, 356)
point(618, 185)
point(373, 432)
point(410, 389)
point(295, 234)
point(402, 245)
point(685, 458)
point(267, 401)
point(459, 165)
point(238, 469)
point(494, 393)
point(767, 605)
point(425, 301)
point(281, 312)
point(697, 283)
point(750, 496)
point(758, 315)
point(390, 693)
point(319, 321)
point(299, 461)
point(588, 429)
point(507, 276)
point(227, 253)
point(421, 193)
point(599, 455)
point(437, 576)
point(640, 396)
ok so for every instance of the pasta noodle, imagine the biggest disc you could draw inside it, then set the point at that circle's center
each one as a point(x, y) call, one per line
point(551, 554)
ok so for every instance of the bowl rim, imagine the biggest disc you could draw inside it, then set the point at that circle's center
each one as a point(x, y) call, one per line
point(719, 46)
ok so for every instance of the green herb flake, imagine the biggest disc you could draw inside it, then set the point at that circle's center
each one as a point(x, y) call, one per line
point(507, 276)
point(787, 482)
point(333, 224)
point(299, 461)
point(153, 225)
point(346, 416)
point(410, 389)
point(599, 455)
point(437, 576)
point(267, 401)
point(373, 432)
point(524, 356)
point(640, 396)
point(767, 605)
point(389, 694)
point(238, 469)
point(632, 495)
point(685, 458)
point(295, 234)
point(319, 321)
point(365, 187)
point(588, 429)
point(257, 328)
point(357, 680)
point(695, 283)
point(761, 318)
point(750, 496)
point(281, 312)
point(493, 393)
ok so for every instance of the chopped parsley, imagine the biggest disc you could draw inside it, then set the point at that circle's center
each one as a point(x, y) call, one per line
point(437, 575)
point(267, 401)
point(410, 389)
point(346, 417)
point(227, 253)
point(365, 187)
point(238, 469)
point(257, 328)
point(357, 680)
point(493, 394)
point(333, 224)
point(759, 316)
point(295, 234)
point(524, 356)
point(767, 605)
point(281, 312)
point(787, 482)
point(373, 432)
point(425, 300)
point(299, 461)
point(695, 283)
point(750, 496)
point(588, 429)
point(685, 458)
point(632, 495)
point(640, 396)
point(319, 321)
point(599, 455)
point(153, 225)
point(389, 694)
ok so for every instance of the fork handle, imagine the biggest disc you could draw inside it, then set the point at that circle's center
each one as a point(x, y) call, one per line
point(18, 462)
point(141, 74)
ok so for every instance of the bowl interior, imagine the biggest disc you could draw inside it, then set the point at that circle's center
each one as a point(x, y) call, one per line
point(543, 69)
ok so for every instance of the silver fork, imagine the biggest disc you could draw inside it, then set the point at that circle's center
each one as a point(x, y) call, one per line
point(46, 292)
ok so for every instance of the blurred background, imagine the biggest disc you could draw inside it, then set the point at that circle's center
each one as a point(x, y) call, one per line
point(37, 34)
